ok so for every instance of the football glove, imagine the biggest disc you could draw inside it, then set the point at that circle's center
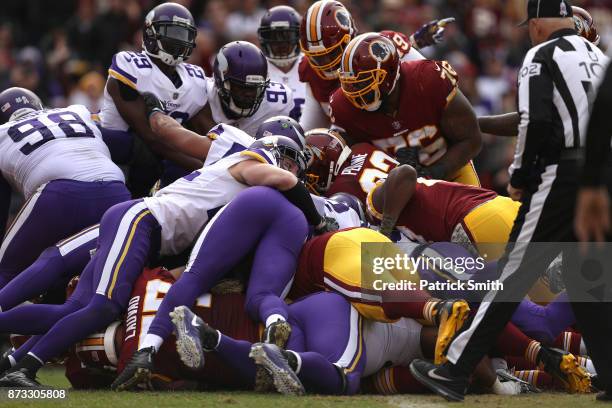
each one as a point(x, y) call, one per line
point(152, 104)
point(430, 33)
point(328, 224)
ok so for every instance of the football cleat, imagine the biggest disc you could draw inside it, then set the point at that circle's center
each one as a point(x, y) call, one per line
point(449, 316)
point(275, 361)
point(277, 333)
point(19, 379)
point(137, 372)
point(565, 368)
point(439, 379)
point(193, 337)
point(523, 387)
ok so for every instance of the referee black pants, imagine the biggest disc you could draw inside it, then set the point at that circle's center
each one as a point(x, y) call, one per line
point(546, 216)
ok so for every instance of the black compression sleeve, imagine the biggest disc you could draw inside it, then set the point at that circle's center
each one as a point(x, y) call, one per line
point(299, 196)
point(598, 135)
point(127, 93)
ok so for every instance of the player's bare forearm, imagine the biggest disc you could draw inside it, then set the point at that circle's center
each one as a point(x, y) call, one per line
point(500, 125)
point(460, 127)
point(131, 107)
point(394, 194)
point(175, 136)
point(254, 173)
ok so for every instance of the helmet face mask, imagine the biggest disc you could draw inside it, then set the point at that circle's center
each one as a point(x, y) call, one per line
point(241, 78)
point(369, 70)
point(279, 35)
point(169, 33)
point(325, 153)
point(325, 31)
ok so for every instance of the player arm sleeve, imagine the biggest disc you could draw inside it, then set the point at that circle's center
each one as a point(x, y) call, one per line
point(535, 108)
point(5, 203)
point(598, 136)
point(299, 196)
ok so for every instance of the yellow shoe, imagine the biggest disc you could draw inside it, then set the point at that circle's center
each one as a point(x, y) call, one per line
point(449, 317)
point(564, 366)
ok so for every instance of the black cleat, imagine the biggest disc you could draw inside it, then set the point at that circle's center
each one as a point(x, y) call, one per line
point(19, 379)
point(136, 372)
point(439, 379)
point(604, 396)
point(564, 367)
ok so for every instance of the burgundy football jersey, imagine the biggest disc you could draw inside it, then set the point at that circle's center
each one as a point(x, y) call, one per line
point(426, 87)
point(222, 312)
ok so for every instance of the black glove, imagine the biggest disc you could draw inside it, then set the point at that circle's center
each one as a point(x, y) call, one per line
point(410, 156)
point(152, 104)
point(328, 224)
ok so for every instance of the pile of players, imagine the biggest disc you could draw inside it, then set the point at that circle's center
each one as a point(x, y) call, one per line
point(230, 226)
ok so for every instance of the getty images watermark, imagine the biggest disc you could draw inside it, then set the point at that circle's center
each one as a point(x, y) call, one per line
point(450, 270)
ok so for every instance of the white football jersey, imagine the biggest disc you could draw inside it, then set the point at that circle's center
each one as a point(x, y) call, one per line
point(226, 140)
point(54, 144)
point(278, 100)
point(291, 79)
point(342, 213)
point(183, 207)
point(136, 70)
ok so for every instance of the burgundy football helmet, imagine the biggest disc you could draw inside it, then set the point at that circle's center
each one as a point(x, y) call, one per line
point(326, 29)
point(369, 70)
point(99, 349)
point(325, 151)
point(585, 26)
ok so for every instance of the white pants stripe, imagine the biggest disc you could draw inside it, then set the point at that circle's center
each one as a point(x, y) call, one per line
point(515, 257)
point(115, 251)
point(352, 346)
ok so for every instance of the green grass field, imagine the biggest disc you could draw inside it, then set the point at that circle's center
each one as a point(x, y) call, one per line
point(108, 399)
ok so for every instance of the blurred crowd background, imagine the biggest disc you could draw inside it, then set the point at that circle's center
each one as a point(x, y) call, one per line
point(61, 49)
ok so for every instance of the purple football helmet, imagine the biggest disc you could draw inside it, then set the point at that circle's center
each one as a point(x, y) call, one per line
point(353, 202)
point(282, 147)
point(17, 102)
point(241, 78)
point(279, 35)
point(169, 33)
point(282, 126)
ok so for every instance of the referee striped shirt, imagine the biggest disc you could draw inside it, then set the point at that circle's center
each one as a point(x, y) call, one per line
point(557, 85)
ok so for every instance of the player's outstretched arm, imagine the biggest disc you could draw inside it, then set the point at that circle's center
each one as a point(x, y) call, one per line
point(131, 107)
point(460, 126)
point(500, 125)
point(393, 195)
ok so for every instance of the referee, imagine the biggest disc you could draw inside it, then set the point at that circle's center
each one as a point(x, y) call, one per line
point(556, 85)
point(592, 222)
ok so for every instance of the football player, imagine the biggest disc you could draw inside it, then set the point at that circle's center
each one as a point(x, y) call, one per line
point(168, 39)
point(58, 161)
point(241, 93)
point(325, 31)
point(480, 216)
point(132, 232)
point(279, 38)
point(412, 110)
point(507, 124)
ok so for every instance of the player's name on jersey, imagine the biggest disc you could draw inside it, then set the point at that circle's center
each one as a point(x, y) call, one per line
point(422, 284)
